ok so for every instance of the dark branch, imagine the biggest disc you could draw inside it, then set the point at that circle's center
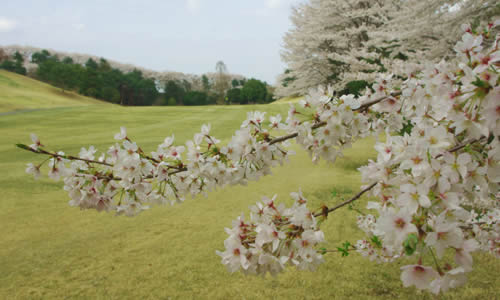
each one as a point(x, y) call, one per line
point(356, 197)
point(70, 157)
point(461, 146)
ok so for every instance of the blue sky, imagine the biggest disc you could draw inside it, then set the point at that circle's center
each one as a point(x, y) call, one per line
point(177, 35)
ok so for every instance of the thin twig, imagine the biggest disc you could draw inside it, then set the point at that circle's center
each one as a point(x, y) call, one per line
point(146, 177)
point(458, 147)
point(332, 251)
point(364, 106)
point(357, 196)
point(70, 157)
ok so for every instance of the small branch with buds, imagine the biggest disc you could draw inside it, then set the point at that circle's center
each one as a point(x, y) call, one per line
point(56, 155)
point(325, 210)
point(362, 108)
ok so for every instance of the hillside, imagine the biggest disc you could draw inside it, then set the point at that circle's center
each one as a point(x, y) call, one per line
point(163, 76)
point(20, 92)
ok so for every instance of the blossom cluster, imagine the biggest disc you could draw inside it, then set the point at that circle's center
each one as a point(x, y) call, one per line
point(127, 180)
point(436, 175)
point(430, 188)
point(327, 125)
point(276, 236)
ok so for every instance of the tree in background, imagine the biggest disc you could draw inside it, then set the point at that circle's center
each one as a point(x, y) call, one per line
point(319, 48)
point(335, 42)
point(40, 57)
point(19, 64)
point(251, 91)
point(68, 76)
point(195, 98)
point(16, 66)
point(96, 79)
point(8, 65)
point(206, 83)
point(235, 83)
point(68, 60)
point(221, 81)
point(234, 95)
point(3, 55)
point(254, 91)
point(90, 81)
point(173, 90)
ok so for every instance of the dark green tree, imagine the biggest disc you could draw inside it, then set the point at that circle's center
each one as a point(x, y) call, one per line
point(40, 57)
point(66, 76)
point(67, 60)
point(96, 79)
point(234, 95)
point(235, 83)
point(205, 82)
point(195, 98)
point(254, 91)
point(174, 90)
point(91, 64)
point(8, 65)
point(16, 66)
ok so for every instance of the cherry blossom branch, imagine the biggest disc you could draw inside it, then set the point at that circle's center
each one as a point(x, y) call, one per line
point(56, 155)
point(99, 176)
point(179, 170)
point(327, 210)
point(362, 108)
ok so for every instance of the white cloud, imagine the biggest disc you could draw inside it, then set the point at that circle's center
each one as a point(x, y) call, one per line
point(7, 25)
point(193, 5)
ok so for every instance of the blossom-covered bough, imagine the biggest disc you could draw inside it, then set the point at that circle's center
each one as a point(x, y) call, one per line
point(436, 177)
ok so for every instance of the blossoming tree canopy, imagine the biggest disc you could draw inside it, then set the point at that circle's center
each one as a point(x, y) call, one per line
point(436, 183)
point(348, 43)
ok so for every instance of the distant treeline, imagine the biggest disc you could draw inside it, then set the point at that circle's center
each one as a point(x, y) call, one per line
point(100, 80)
point(16, 64)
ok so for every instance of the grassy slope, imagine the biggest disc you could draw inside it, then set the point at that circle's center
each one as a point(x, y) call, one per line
point(288, 100)
point(50, 250)
point(20, 92)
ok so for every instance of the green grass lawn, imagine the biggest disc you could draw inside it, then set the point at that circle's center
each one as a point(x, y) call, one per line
point(50, 250)
point(288, 100)
point(20, 92)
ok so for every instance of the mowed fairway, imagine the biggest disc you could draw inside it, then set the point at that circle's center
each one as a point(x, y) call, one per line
point(50, 250)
